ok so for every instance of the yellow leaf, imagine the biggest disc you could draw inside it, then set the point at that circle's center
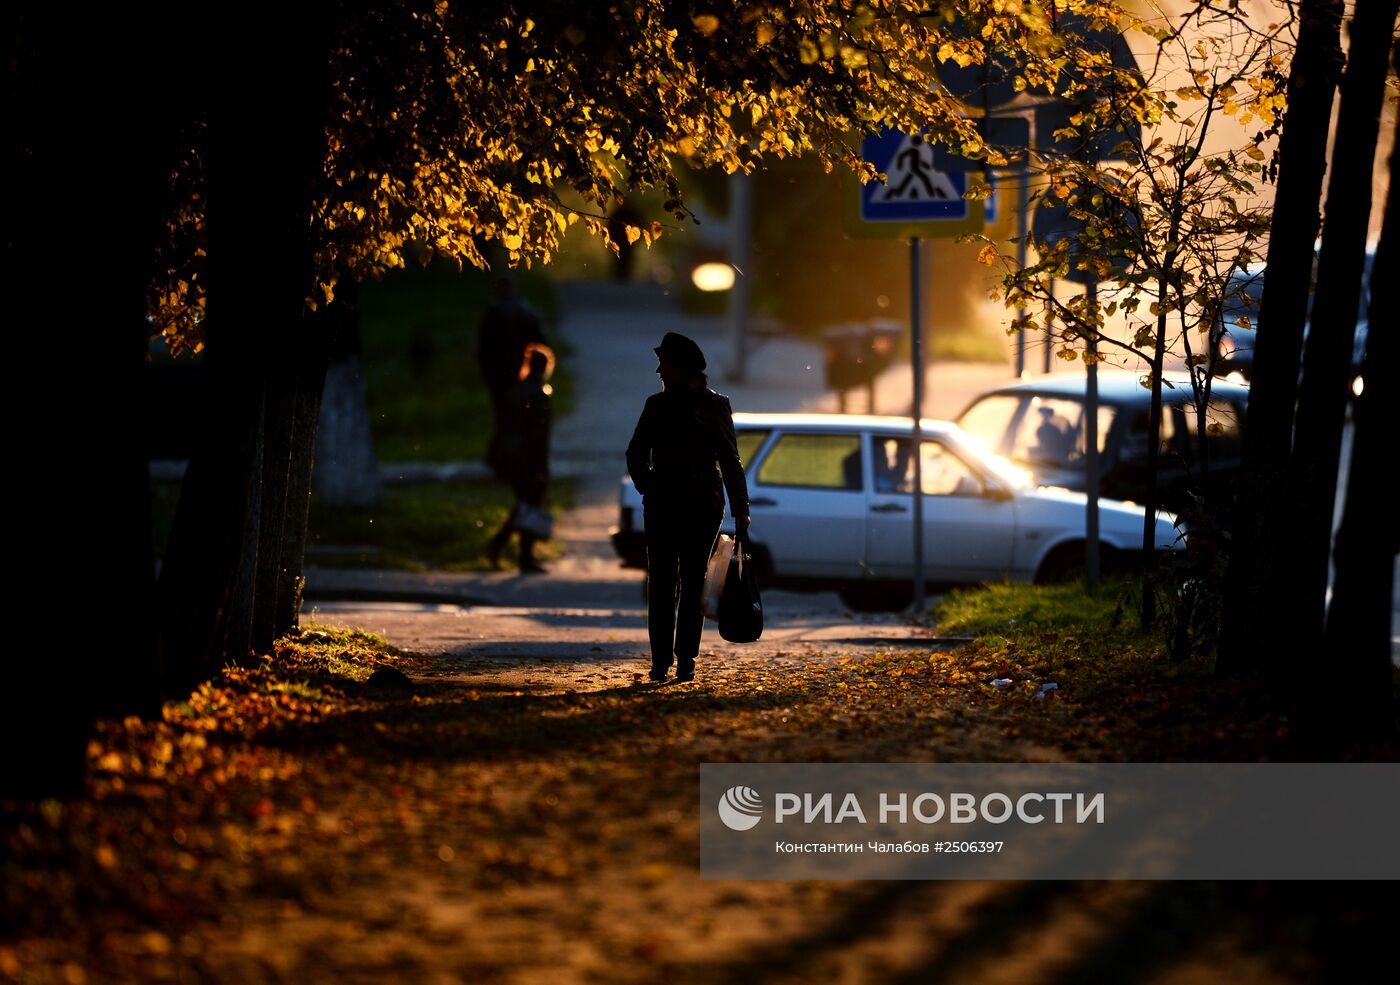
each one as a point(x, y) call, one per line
point(633, 234)
point(766, 32)
point(707, 24)
point(988, 255)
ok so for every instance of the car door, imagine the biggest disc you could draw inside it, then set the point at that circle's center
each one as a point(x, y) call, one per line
point(807, 502)
point(968, 529)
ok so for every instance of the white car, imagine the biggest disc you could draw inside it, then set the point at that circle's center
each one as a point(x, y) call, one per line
point(832, 507)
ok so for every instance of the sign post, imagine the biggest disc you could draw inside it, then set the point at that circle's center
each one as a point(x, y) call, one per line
point(915, 202)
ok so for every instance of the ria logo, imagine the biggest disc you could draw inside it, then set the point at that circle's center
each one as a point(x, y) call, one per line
point(740, 808)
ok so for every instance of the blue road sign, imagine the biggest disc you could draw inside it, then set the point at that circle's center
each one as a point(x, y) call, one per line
point(915, 191)
point(917, 201)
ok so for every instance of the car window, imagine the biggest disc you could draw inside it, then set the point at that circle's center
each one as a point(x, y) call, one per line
point(944, 473)
point(817, 461)
point(990, 418)
point(1224, 429)
point(1051, 435)
point(1240, 309)
point(1133, 450)
point(750, 441)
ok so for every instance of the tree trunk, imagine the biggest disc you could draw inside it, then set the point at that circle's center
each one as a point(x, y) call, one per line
point(347, 470)
point(1260, 513)
point(1301, 584)
point(293, 413)
point(1358, 622)
point(1148, 611)
point(266, 152)
point(84, 642)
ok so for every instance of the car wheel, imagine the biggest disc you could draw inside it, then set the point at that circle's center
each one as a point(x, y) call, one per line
point(876, 598)
point(1067, 563)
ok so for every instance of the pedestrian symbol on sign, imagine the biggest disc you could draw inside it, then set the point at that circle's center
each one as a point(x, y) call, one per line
point(915, 199)
point(911, 177)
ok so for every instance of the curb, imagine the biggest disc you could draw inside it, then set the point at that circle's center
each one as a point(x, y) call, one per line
point(405, 595)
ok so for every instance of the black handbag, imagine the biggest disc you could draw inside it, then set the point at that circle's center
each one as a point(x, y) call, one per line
point(740, 608)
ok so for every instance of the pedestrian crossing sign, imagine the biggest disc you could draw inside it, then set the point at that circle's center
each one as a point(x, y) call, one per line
point(916, 199)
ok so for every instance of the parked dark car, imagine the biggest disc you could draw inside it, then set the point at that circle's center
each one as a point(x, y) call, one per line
point(1038, 425)
point(1240, 328)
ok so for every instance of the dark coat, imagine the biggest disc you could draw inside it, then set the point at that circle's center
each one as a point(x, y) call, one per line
point(524, 443)
point(683, 444)
point(508, 325)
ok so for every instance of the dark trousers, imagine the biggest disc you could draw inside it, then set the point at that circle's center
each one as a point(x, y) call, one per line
point(678, 550)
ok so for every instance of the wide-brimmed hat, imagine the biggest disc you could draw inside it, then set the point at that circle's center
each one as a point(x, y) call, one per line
point(681, 351)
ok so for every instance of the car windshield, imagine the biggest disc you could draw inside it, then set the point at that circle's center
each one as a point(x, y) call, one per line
point(1050, 433)
point(990, 420)
point(975, 450)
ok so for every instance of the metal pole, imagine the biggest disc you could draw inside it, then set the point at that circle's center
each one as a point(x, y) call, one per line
point(1049, 328)
point(741, 256)
point(1023, 207)
point(916, 356)
point(1091, 450)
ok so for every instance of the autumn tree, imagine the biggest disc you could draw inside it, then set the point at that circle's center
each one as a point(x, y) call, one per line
point(372, 135)
point(1157, 211)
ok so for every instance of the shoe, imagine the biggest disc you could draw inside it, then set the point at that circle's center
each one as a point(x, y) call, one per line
point(533, 568)
point(657, 676)
point(685, 674)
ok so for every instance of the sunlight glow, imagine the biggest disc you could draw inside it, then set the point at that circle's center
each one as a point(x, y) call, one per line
point(713, 276)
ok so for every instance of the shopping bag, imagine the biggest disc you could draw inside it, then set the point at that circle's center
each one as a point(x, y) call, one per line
point(534, 520)
point(740, 608)
point(715, 574)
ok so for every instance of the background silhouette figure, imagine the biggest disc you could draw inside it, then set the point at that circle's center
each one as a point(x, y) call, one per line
point(524, 452)
point(507, 327)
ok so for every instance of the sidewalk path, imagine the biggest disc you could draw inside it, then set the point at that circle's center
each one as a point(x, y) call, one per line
point(583, 625)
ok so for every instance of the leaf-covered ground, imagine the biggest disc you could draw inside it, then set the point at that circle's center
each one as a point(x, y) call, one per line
point(298, 822)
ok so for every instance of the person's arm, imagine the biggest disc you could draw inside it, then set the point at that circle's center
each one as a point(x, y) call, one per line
point(735, 485)
point(639, 451)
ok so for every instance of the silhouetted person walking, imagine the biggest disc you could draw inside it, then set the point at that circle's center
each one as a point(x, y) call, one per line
point(507, 327)
point(524, 453)
point(683, 444)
